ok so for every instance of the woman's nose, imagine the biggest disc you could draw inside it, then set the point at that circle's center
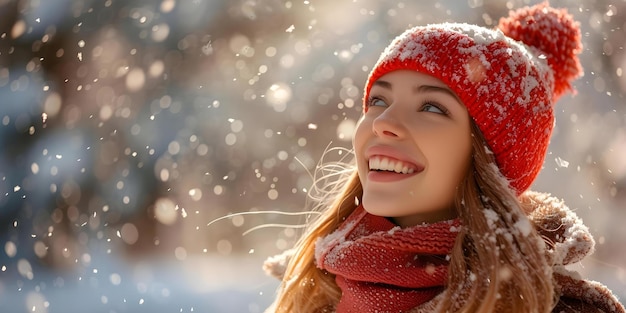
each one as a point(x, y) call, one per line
point(388, 124)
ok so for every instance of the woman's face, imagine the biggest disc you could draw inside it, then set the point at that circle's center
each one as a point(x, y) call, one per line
point(413, 148)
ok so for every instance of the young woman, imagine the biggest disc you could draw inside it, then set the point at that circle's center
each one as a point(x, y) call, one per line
point(436, 215)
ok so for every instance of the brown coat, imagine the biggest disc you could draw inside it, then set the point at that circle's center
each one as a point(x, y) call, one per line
point(568, 241)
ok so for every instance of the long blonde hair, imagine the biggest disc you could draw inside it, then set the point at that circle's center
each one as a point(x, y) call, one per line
point(497, 263)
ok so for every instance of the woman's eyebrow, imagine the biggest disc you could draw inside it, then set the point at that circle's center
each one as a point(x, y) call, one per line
point(382, 83)
point(431, 88)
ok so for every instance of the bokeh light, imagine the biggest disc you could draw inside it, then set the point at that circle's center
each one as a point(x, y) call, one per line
point(127, 127)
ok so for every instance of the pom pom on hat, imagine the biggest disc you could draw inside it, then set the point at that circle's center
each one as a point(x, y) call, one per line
point(508, 78)
point(553, 32)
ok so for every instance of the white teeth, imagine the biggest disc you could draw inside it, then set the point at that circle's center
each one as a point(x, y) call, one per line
point(398, 167)
point(386, 164)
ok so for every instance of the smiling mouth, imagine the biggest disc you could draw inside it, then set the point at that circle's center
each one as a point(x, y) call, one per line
point(385, 164)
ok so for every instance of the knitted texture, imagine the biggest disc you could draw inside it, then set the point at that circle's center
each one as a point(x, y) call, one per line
point(554, 33)
point(381, 267)
point(509, 87)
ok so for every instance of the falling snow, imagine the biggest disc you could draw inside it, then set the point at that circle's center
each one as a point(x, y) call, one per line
point(128, 126)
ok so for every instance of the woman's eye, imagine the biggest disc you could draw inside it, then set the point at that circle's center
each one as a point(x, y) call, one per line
point(429, 107)
point(376, 102)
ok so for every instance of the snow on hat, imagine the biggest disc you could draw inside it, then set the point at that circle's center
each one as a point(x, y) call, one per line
point(508, 78)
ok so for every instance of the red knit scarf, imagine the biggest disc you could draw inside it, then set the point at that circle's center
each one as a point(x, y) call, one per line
point(381, 267)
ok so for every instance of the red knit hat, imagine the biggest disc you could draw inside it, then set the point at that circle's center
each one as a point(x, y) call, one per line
point(508, 78)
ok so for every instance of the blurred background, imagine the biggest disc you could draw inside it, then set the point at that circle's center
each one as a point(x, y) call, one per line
point(126, 127)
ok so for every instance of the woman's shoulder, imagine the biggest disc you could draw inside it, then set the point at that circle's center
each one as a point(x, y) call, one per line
point(581, 295)
point(568, 241)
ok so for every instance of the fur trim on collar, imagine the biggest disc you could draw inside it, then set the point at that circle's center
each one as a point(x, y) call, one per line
point(276, 266)
point(568, 239)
